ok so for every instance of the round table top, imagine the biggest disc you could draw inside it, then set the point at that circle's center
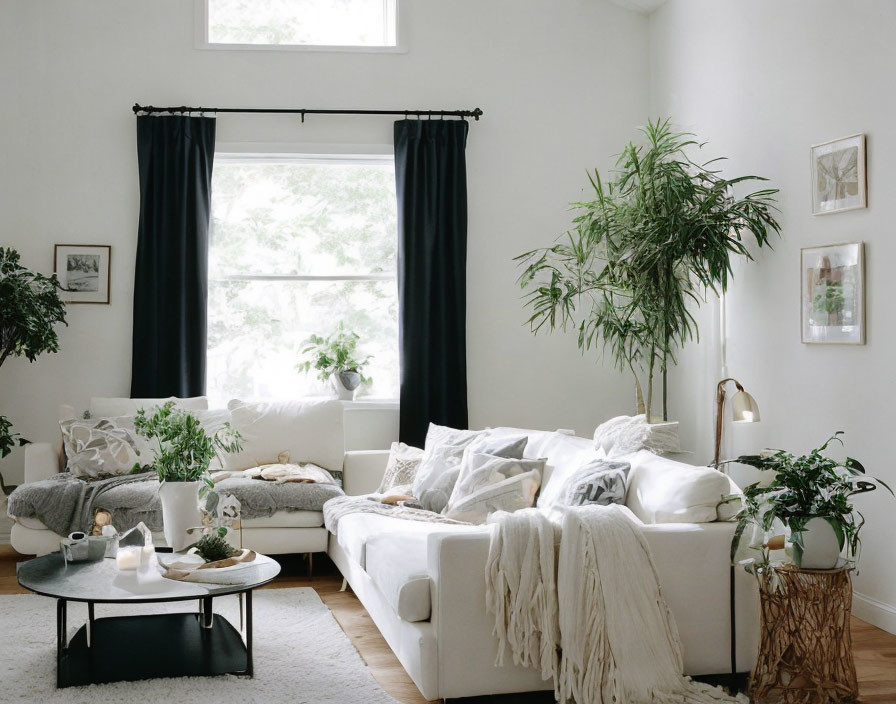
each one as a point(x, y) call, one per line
point(103, 582)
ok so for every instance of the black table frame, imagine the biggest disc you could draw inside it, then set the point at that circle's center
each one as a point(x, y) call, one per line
point(138, 640)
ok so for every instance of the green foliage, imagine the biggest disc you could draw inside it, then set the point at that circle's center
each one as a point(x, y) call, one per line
point(213, 547)
point(805, 487)
point(649, 244)
point(185, 449)
point(831, 299)
point(29, 308)
point(338, 352)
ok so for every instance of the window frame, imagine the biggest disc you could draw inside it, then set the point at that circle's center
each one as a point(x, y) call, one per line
point(376, 154)
point(202, 38)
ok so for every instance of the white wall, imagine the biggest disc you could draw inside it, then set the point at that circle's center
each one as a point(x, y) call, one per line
point(763, 81)
point(559, 99)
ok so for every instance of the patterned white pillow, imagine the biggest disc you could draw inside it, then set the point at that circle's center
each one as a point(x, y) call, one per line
point(488, 483)
point(443, 435)
point(401, 470)
point(103, 447)
point(436, 476)
point(598, 481)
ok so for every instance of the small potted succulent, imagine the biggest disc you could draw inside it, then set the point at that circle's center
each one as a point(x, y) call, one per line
point(810, 496)
point(181, 459)
point(336, 360)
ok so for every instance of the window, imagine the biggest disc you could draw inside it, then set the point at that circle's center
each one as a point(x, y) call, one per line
point(297, 245)
point(367, 24)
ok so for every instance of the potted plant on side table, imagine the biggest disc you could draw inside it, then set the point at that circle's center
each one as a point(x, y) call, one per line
point(336, 360)
point(182, 457)
point(811, 496)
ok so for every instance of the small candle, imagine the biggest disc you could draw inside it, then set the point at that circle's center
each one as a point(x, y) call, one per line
point(128, 558)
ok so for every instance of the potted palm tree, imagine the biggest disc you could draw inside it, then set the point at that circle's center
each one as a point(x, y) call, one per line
point(337, 361)
point(182, 455)
point(29, 308)
point(649, 244)
point(809, 495)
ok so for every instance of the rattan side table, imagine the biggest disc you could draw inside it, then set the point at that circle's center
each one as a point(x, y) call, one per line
point(805, 647)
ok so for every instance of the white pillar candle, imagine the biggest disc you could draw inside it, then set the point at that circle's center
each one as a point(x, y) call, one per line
point(128, 558)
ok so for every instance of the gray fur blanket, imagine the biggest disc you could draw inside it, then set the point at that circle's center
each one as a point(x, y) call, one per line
point(66, 503)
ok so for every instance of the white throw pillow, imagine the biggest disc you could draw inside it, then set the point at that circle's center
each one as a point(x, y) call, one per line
point(664, 491)
point(401, 470)
point(310, 431)
point(623, 435)
point(564, 455)
point(436, 475)
point(598, 481)
point(111, 407)
point(488, 484)
point(103, 447)
point(443, 435)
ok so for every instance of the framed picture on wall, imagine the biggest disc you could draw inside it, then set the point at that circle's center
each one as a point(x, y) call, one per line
point(833, 294)
point(838, 175)
point(83, 272)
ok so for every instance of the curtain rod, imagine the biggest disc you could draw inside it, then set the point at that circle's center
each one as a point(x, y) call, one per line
point(476, 113)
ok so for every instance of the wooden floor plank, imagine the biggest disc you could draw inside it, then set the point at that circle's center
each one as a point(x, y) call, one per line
point(874, 649)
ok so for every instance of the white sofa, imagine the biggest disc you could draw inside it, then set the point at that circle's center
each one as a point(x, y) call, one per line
point(316, 426)
point(423, 584)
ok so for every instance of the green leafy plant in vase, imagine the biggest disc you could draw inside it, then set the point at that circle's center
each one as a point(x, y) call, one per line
point(30, 307)
point(183, 453)
point(337, 360)
point(643, 250)
point(811, 496)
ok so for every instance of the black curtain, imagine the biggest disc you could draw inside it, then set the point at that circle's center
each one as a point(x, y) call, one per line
point(431, 180)
point(174, 155)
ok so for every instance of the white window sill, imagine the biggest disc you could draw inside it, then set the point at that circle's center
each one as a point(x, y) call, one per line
point(371, 405)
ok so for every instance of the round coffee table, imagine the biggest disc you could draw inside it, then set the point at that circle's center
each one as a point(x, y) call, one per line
point(121, 648)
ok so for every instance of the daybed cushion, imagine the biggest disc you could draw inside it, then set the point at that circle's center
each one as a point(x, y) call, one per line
point(396, 563)
point(661, 490)
point(109, 407)
point(310, 431)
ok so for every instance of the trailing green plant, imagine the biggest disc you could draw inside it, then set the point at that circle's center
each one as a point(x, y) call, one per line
point(804, 487)
point(338, 352)
point(212, 547)
point(649, 244)
point(184, 449)
point(29, 308)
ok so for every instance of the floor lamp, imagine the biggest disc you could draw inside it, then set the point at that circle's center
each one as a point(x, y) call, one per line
point(744, 409)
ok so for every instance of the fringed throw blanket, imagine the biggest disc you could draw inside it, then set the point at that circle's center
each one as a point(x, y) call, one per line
point(617, 638)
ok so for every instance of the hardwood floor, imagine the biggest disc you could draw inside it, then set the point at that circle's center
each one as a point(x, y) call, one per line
point(874, 649)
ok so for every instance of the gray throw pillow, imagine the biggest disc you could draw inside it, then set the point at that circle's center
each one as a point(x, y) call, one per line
point(598, 481)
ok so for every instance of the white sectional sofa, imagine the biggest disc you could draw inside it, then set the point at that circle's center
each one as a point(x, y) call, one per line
point(424, 583)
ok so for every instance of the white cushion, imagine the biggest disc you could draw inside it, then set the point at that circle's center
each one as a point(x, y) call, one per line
point(109, 407)
point(436, 476)
point(488, 483)
point(396, 564)
point(401, 469)
point(564, 454)
point(661, 490)
point(444, 435)
point(310, 431)
point(287, 519)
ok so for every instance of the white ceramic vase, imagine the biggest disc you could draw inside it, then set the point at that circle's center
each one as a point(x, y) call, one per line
point(345, 391)
point(180, 512)
point(821, 548)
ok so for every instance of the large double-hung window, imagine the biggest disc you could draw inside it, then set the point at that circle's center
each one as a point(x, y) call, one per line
point(299, 244)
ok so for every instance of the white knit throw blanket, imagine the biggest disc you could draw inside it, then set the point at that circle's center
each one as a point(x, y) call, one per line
point(617, 638)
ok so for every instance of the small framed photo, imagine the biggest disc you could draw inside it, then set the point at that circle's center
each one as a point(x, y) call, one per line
point(838, 175)
point(833, 294)
point(83, 272)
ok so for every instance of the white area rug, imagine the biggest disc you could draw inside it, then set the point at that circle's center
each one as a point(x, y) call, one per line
point(301, 655)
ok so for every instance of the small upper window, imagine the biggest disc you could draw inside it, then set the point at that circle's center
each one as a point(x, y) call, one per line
point(302, 23)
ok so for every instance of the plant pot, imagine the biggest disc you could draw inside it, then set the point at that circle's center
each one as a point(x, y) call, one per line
point(345, 384)
point(180, 512)
point(821, 547)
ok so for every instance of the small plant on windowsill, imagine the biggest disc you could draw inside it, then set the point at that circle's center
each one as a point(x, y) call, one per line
point(811, 496)
point(336, 360)
point(181, 459)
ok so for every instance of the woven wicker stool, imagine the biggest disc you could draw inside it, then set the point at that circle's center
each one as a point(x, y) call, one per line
point(805, 647)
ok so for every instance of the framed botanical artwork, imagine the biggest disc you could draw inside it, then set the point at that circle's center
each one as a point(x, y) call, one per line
point(838, 175)
point(83, 272)
point(833, 294)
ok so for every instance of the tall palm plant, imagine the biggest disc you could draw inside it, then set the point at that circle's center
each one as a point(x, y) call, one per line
point(647, 246)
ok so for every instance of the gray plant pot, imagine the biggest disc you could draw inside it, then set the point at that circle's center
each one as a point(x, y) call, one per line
point(345, 384)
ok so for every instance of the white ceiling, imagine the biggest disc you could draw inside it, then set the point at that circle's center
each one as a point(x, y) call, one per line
point(642, 6)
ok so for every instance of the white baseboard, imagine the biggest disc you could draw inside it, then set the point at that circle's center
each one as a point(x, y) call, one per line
point(874, 612)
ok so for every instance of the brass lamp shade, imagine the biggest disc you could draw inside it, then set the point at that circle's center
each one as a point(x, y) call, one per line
point(744, 408)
